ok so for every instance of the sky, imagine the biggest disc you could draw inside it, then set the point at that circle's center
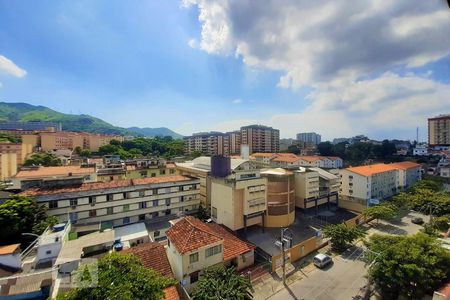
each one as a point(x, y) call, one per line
point(375, 67)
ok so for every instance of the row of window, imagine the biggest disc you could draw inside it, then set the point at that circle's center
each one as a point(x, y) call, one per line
point(193, 258)
point(125, 195)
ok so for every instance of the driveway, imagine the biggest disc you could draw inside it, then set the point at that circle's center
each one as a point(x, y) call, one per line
point(342, 280)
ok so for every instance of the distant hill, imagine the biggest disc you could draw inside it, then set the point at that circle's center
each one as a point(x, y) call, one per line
point(25, 112)
point(160, 131)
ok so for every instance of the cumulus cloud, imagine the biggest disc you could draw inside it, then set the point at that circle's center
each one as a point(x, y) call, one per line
point(9, 67)
point(322, 42)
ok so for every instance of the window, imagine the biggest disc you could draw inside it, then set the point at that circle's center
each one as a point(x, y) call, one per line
point(168, 202)
point(143, 173)
point(92, 200)
point(109, 197)
point(124, 196)
point(155, 203)
point(73, 202)
point(73, 216)
point(142, 205)
point(153, 174)
point(162, 172)
point(214, 212)
point(92, 213)
point(350, 177)
point(193, 258)
point(126, 207)
point(53, 204)
point(48, 252)
point(141, 193)
point(172, 171)
point(126, 220)
point(141, 217)
point(167, 212)
point(194, 277)
point(109, 210)
point(213, 250)
point(111, 178)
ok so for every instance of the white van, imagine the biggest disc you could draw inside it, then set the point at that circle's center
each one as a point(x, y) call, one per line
point(322, 260)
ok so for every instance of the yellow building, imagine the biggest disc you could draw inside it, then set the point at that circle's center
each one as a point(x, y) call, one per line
point(194, 245)
point(439, 131)
point(306, 188)
point(280, 197)
point(8, 165)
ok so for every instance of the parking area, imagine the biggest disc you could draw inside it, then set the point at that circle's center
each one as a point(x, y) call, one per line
point(401, 225)
point(344, 279)
point(305, 226)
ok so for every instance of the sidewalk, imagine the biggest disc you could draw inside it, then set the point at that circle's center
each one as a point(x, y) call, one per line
point(270, 284)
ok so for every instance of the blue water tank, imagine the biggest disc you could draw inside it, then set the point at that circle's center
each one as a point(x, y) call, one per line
point(59, 227)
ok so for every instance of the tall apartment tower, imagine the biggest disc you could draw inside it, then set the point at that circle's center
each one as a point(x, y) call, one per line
point(439, 131)
point(311, 137)
point(260, 138)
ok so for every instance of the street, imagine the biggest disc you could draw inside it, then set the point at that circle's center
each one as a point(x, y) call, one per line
point(341, 280)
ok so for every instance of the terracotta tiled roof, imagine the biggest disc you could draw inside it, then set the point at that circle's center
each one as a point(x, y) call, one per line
point(171, 293)
point(103, 185)
point(190, 234)
point(333, 157)
point(405, 165)
point(171, 166)
point(263, 154)
point(153, 256)
point(9, 249)
point(372, 169)
point(288, 159)
point(232, 245)
point(312, 158)
point(54, 171)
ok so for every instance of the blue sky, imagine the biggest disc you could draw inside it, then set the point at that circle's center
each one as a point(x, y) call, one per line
point(156, 63)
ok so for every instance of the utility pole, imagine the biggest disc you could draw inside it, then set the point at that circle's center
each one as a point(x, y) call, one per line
point(283, 256)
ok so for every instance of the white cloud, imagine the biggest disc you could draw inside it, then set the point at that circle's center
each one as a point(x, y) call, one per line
point(236, 101)
point(193, 43)
point(9, 67)
point(321, 42)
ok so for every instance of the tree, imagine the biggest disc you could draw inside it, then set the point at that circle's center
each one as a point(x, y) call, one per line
point(43, 159)
point(407, 266)
point(341, 235)
point(202, 213)
point(325, 148)
point(383, 212)
point(121, 276)
point(77, 150)
point(218, 282)
point(21, 214)
point(85, 153)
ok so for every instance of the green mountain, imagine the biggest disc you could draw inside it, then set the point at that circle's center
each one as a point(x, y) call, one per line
point(25, 112)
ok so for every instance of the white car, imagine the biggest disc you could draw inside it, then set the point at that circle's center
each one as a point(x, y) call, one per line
point(322, 260)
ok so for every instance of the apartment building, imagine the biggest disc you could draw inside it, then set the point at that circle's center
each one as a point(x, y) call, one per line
point(310, 137)
point(238, 193)
point(120, 202)
point(21, 149)
point(234, 142)
point(379, 181)
point(213, 143)
point(307, 188)
point(8, 165)
point(30, 126)
point(194, 245)
point(291, 160)
point(439, 131)
point(39, 176)
point(260, 138)
point(200, 168)
point(48, 141)
point(280, 197)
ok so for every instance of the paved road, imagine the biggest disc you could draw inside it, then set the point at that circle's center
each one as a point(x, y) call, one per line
point(341, 281)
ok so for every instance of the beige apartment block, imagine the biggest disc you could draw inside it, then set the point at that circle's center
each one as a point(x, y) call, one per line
point(7, 147)
point(307, 188)
point(8, 165)
point(439, 131)
point(379, 181)
point(200, 168)
point(121, 202)
point(193, 246)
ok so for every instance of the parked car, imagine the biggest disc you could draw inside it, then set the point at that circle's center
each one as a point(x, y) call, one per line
point(322, 260)
point(417, 220)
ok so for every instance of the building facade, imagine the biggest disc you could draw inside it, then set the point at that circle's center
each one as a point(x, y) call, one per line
point(439, 131)
point(121, 202)
point(365, 184)
point(311, 137)
point(260, 138)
